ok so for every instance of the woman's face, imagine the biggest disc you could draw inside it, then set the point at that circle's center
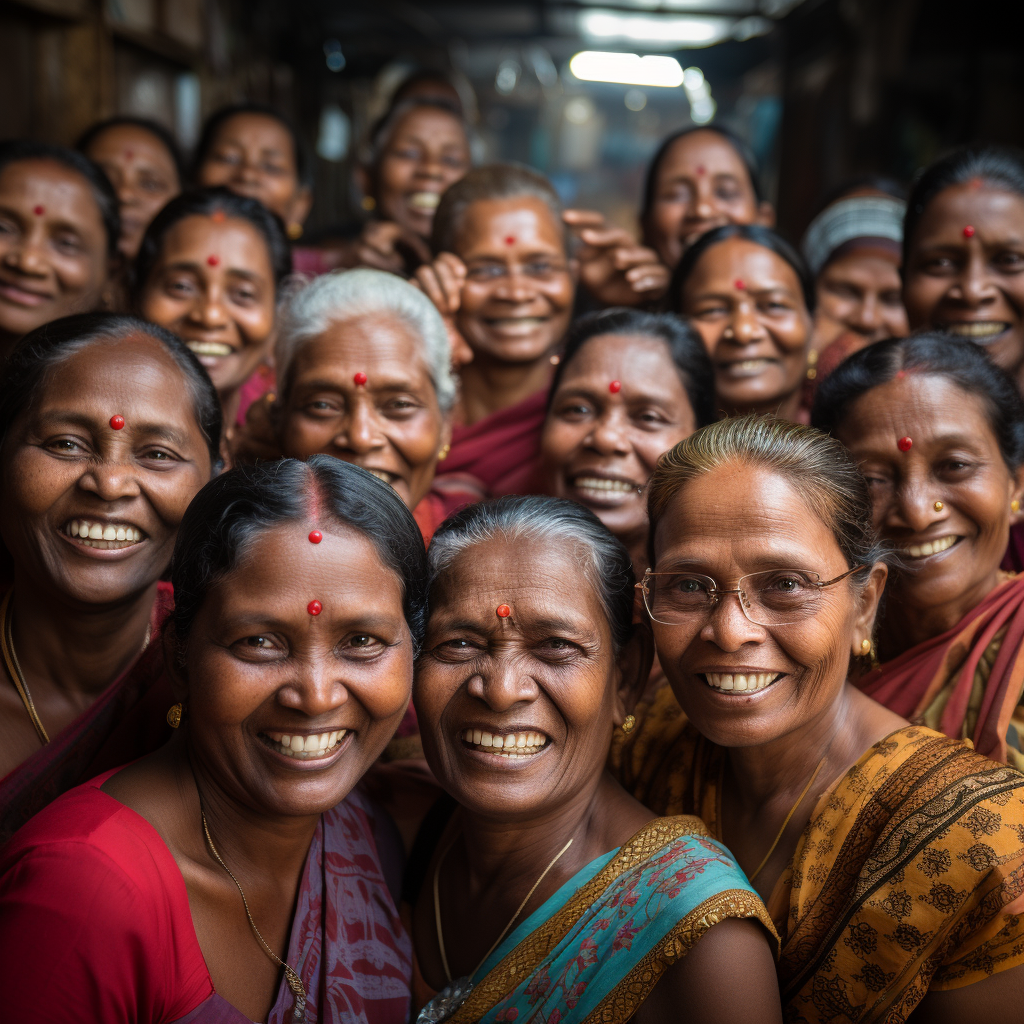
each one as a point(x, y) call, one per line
point(701, 184)
point(254, 155)
point(519, 290)
point(143, 174)
point(739, 519)
point(965, 270)
point(427, 152)
point(543, 681)
point(391, 425)
point(749, 308)
point(953, 553)
point(287, 710)
point(53, 246)
point(213, 286)
point(600, 444)
point(862, 291)
point(66, 472)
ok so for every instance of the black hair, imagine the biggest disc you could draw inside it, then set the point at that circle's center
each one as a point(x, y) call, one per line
point(742, 150)
point(99, 184)
point(157, 130)
point(754, 233)
point(303, 160)
point(518, 518)
point(227, 515)
point(39, 351)
point(685, 347)
point(203, 203)
point(1000, 166)
point(958, 360)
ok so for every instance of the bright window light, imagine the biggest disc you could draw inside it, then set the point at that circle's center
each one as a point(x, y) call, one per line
point(662, 31)
point(627, 69)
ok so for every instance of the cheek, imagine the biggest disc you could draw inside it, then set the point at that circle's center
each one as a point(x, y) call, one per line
point(560, 293)
point(560, 441)
point(387, 693)
point(79, 274)
point(417, 441)
point(474, 297)
point(32, 482)
point(710, 332)
point(648, 448)
point(171, 493)
point(920, 296)
point(254, 324)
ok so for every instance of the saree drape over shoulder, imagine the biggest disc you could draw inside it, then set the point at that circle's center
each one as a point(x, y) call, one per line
point(97, 924)
point(968, 681)
point(596, 948)
point(909, 875)
point(127, 721)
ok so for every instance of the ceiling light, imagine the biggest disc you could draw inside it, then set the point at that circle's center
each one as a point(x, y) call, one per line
point(660, 31)
point(627, 69)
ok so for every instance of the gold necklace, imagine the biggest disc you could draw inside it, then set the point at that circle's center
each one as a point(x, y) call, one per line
point(14, 669)
point(519, 910)
point(792, 811)
point(294, 981)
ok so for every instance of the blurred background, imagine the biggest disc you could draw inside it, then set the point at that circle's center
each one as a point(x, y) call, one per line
point(821, 89)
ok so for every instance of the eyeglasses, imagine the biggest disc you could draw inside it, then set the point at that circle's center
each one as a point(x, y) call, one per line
point(776, 597)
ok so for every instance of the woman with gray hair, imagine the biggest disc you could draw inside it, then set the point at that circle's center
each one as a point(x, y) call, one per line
point(364, 374)
point(587, 905)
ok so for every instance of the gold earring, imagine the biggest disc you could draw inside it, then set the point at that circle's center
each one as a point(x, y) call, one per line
point(443, 453)
point(938, 506)
point(812, 364)
point(174, 716)
point(1015, 505)
point(629, 723)
point(368, 203)
point(294, 231)
point(865, 647)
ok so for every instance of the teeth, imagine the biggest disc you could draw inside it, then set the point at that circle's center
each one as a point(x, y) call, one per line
point(978, 329)
point(518, 321)
point(515, 744)
point(932, 548)
point(103, 536)
point(306, 748)
point(593, 483)
point(424, 200)
point(381, 475)
point(741, 682)
point(210, 348)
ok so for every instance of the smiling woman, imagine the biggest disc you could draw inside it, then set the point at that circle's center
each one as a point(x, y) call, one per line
point(108, 428)
point(531, 661)
point(888, 854)
point(239, 850)
point(952, 636)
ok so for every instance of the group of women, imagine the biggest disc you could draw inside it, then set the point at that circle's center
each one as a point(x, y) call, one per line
point(506, 617)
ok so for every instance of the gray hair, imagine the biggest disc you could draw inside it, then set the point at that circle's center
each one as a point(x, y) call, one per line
point(346, 295)
point(517, 519)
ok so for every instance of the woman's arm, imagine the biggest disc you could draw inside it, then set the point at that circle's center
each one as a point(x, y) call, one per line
point(997, 998)
point(727, 978)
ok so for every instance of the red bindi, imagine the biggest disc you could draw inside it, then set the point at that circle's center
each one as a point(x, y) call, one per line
point(615, 387)
point(315, 536)
point(213, 260)
point(129, 154)
point(974, 183)
point(360, 379)
point(969, 231)
point(904, 444)
point(218, 217)
point(740, 284)
point(510, 240)
point(314, 607)
point(39, 210)
point(117, 422)
point(503, 611)
point(700, 169)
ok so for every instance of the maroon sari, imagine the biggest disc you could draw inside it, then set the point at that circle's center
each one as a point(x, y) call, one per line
point(127, 721)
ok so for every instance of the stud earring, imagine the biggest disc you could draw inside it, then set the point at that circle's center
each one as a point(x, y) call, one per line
point(368, 203)
point(1015, 505)
point(629, 724)
point(294, 231)
point(174, 715)
point(938, 506)
point(865, 647)
point(443, 453)
point(812, 364)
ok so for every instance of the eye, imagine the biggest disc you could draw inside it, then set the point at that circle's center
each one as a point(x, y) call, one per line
point(244, 296)
point(575, 410)
point(65, 446)
point(456, 649)
point(401, 405)
point(486, 272)
point(258, 647)
point(1011, 261)
point(557, 649)
point(321, 407)
point(649, 417)
point(259, 642)
point(709, 311)
point(69, 244)
point(158, 455)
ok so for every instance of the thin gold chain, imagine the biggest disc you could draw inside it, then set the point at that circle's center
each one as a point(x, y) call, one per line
point(519, 910)
point(294, 981)
point(14, 669)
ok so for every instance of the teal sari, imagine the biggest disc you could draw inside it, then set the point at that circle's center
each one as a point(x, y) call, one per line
point(595, 950)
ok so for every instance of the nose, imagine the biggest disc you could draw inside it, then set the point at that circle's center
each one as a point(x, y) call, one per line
point(610, 435)
point(913, 505)
point(515, 286)
point(113, 477)
point(728, 627)
point(501, 685)
point(703, 200)
point(745, 328)
point(360, 432)
point(208, 311)
point(975, 286)
point(866, 318)
point(430, 167)
point(316, 690)
point(26, 256)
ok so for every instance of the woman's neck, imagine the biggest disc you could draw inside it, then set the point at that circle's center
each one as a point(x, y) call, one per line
point(489, 386)
point(76, 649)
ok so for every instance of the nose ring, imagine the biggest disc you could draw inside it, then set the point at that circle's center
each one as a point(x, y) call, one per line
point(938, 506)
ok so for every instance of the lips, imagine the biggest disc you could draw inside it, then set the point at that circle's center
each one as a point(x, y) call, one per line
point(598, 489)
point(932, 547)
point(214, 349)
point(305, 746)
point(512, 745)
point(740, 682)
point(424, 202)
point(516, 326)
point(23, 296)
point(103, 535)
point(745, 367)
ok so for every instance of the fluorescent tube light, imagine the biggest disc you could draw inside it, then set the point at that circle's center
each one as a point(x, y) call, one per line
point(627, 69)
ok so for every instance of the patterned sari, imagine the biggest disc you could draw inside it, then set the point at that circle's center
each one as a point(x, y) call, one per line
point(597, 947)
point(908, 877)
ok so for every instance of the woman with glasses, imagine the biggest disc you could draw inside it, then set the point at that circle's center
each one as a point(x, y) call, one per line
point(889, 855)
point(505, 284)
point(542, 890)
point(938, 432)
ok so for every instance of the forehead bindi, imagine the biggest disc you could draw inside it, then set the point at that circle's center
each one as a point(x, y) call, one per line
point(988, 212)
point(44, 189)
point(737, 265)
point(257, 133)
point(227, 245)
point(489, 225)
point(703, 155)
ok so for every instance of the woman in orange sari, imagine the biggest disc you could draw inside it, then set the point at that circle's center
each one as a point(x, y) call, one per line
point(938, 432)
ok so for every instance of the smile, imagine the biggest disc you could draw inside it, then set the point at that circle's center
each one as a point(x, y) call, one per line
point(515, 744)
point(304, 748)
point(426, 202)
point(603, 486)
point(104, 536)
point(738, 682)
point(934, 547)
point(210, 348)
point(746, 367)
point(980, 331)
point(382, 474)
